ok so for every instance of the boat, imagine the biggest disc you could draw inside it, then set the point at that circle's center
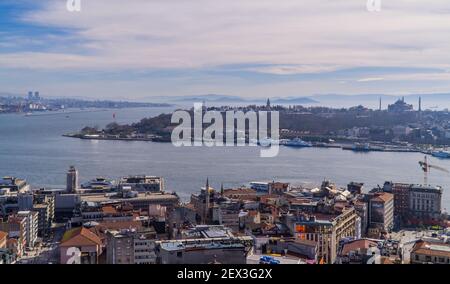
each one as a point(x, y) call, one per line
point(358, 147)
point(268, 142)
point(297, 142)
point(441, 154)
point(98, 183)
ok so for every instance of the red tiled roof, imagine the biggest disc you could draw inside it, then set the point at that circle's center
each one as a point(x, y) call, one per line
point(3, 235)
point(80, 237)
point(359, 244)
point(423, 248)
point(383, 197)
point(109, 210)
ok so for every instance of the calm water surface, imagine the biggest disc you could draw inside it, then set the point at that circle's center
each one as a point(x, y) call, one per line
point(33, 148)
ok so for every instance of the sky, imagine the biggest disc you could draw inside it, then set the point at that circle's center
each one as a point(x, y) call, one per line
point(138, 49)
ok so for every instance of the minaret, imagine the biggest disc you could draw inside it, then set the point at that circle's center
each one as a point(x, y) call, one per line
point(207, 200)
point(380, 105)
point(420, 104)
point(221, 189)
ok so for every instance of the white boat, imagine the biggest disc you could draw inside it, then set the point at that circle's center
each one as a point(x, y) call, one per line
point(297, 142)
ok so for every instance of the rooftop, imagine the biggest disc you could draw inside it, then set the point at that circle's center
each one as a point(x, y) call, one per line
point(431, 248)
point(80, 237)
point(182, 245)
point(383, 197)
point(141, 196)
point(358, 245)
point(3, 235)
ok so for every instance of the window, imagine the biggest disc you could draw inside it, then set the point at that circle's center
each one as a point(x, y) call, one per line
point(179, 254)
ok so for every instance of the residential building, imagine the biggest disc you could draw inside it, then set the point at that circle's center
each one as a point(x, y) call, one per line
point(131, 247)
point(227, 214)
point(80, 246)
point(204, 245)
point(16, 229)
point(425, 252)
point(45, 206)
point(381, 211)
point(32, 224)
point(327, 230)
point(360, 251)
point(242, 193)
point(401, 199)
point(270, 187)
point(355, 187)
point(425, 201)
point(304, 249)
point(362, 209)
point(25, 201)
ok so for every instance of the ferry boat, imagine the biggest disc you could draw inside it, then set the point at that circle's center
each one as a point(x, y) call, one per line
point(297, 142)
point(98, 183)
point(358, 147)
point(441, 154)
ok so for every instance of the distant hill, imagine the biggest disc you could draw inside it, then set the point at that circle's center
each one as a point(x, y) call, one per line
point(210, 98)
point(215, 98)
point(294, 100)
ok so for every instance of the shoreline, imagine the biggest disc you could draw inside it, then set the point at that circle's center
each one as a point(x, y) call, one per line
point(342, 146)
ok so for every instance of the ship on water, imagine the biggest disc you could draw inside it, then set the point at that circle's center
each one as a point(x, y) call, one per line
point(441, 154)
point(362, 147)
point(99, 183)
point(297, 142)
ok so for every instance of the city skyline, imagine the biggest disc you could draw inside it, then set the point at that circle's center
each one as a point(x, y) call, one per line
point(250, 49)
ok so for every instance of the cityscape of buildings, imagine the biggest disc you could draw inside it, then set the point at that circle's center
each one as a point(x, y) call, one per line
point(135, 221)
point(35, 103)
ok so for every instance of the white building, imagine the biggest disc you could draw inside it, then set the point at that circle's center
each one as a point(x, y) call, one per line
point(31, 226)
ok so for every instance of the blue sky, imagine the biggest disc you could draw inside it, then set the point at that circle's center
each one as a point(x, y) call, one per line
point(249, 48)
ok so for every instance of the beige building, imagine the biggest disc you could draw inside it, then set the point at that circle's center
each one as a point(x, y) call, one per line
point(327, 230)
point(381, 211)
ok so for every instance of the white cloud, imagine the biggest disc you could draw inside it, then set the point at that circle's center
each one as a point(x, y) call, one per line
point(370, 79)
point(295, 36)
point(263, 36)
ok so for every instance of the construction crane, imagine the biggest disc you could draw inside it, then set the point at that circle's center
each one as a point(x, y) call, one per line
point(426, 167)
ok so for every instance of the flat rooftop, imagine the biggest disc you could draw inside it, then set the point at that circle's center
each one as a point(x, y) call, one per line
point(140, 197)
point(180, 245)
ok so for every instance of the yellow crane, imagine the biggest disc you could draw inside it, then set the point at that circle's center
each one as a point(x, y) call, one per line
point(426, 167)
